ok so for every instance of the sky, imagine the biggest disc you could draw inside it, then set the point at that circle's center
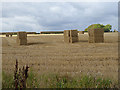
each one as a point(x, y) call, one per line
point(51, 16)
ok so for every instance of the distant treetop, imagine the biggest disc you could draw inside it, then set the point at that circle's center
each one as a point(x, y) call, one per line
point(106, 28)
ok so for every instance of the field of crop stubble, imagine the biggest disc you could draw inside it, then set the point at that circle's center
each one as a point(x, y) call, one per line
point(49, 54)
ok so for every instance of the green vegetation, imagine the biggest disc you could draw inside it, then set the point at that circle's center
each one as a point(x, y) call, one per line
point(106, 28)
point(7, 80)
point(115, 30)
point(59, 81)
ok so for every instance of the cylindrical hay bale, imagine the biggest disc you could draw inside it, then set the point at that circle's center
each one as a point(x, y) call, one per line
point(96, 35)
point(21, 38)
point(81, 32)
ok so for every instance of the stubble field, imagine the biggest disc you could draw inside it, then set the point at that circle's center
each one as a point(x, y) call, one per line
point(49, 54)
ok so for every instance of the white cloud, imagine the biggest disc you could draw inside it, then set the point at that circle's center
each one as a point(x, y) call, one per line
point(57, 16)
point(20, 23)
point(59, 0)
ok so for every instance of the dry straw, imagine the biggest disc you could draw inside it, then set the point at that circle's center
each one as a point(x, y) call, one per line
point(21, 38)
point(70, 36)
point(96, 35)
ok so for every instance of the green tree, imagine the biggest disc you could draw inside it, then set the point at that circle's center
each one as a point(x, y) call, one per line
point(106, 28)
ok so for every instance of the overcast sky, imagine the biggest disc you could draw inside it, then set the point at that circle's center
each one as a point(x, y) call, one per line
point(39, 16)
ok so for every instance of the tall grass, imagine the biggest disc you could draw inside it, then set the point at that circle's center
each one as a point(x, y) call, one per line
point(7, 80)
point(59, 81)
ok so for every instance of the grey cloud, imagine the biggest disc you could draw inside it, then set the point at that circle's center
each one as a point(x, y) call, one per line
point(57, 16)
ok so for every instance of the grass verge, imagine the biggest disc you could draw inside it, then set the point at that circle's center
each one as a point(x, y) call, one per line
point(59, 81)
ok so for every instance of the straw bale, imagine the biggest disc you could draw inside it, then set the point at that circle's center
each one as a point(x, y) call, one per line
point(70, 36)
point(7, 35)
point(73, 39)
point(21, 38)
point(67, 39)
point(22, 35)
point(66, 36)
point(67, 33)
point(96, 35)
point(73, 33)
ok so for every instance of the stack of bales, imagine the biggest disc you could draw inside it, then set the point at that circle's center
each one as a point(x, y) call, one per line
point(96, 35)
point(70, 36)
point(7, 35)
point(21, 38)
point(81, 32)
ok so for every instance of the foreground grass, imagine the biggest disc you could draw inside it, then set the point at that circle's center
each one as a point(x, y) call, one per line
point(59, 81)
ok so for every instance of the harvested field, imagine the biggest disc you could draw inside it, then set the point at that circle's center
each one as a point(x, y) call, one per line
point(49, 54)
